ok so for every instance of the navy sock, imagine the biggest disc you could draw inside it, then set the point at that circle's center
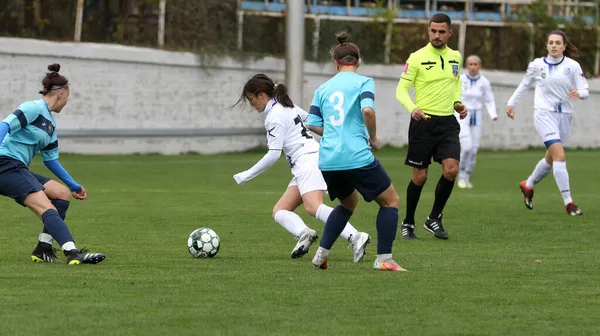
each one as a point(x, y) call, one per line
point(387, 225)
point(442, 194)
point(413, 193)
point(61, 206)
point(56, 227)
point(335, 225)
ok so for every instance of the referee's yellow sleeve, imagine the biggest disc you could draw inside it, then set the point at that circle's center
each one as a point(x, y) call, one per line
point(458, 88)
point(406, 81)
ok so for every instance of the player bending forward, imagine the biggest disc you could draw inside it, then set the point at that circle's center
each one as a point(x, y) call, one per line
point(286, 131)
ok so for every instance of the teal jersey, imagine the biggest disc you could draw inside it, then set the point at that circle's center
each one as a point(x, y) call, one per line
point(337, 107)
point(32, 130)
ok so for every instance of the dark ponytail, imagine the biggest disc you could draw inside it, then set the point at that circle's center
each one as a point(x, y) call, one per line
point(263, 83)
point(280, 93)
point(52, 80)
point(570, 49)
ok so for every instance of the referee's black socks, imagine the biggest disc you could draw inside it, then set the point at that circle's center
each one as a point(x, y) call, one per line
point(442, 194)
point(413, 193)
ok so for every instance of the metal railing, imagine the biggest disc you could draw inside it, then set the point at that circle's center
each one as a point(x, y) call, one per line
point(317, 12)
point(359, 11)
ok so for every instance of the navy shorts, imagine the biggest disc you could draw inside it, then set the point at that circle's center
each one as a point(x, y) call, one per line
point(370, 181)
point(16, 181)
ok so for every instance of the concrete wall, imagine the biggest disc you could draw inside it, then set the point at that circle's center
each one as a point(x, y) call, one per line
point(142, 94)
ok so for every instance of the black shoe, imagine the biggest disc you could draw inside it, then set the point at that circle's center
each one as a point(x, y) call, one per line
point(43, 253)
point(408, 231)
point(435, 226)
point(75, 257)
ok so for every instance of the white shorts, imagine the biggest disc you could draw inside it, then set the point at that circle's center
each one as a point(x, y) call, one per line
point(552, 126)
point(307, 176)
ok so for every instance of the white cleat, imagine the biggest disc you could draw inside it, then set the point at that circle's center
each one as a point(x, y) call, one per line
point(462, 184)
point(359, 243)
point(307, 237)
point(319, 261)
point(388, 265)
point(469, 185)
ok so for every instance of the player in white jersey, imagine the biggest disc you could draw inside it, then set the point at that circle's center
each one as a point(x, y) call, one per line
point(475, 88)
point(286, 131)
point(558, 81)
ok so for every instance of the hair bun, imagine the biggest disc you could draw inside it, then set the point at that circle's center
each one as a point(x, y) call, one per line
point(342, 37)
point(54, 67)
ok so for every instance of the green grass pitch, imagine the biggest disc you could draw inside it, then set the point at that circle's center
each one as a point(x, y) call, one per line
point(483, 281)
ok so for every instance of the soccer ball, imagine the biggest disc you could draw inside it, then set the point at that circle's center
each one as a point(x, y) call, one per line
point(203, 243)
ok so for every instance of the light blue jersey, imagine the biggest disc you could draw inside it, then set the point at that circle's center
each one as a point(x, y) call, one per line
point(32, 130)
point(337, 107)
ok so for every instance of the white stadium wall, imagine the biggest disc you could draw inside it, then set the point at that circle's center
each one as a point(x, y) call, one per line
point(138, 100)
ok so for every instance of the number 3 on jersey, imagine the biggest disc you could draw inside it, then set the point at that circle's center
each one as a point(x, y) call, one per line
point(339, 107)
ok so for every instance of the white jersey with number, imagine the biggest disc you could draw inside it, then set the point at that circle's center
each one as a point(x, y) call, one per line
point(553, 78)
point(286, 131)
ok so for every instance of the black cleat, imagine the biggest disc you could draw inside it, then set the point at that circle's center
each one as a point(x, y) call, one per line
point(435, 227)
point(408, 231)
point(75, 257)
point(45, 254)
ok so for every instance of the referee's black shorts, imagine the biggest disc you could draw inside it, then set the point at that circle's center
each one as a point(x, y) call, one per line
point(436, 138)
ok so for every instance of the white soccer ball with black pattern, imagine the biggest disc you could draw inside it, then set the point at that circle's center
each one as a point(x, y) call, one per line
point(203, 243)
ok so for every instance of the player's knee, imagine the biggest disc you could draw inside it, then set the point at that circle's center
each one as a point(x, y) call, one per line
point(558, 156)
point(393, 201)
point(38, 202)
point(419, 178)
point(63, 193)
point(450, 172)
point(311, 209)
point(276, 209)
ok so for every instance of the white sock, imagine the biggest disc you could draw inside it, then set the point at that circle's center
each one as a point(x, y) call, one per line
point(45, 238)
point(464, 165)
point(384, 257)
point(323, 212)
point(323, 252)
point(542, 169)
point(562, 180)
point(471, 162)
point(466, 177)
point(68, 246)
point(290, 221)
